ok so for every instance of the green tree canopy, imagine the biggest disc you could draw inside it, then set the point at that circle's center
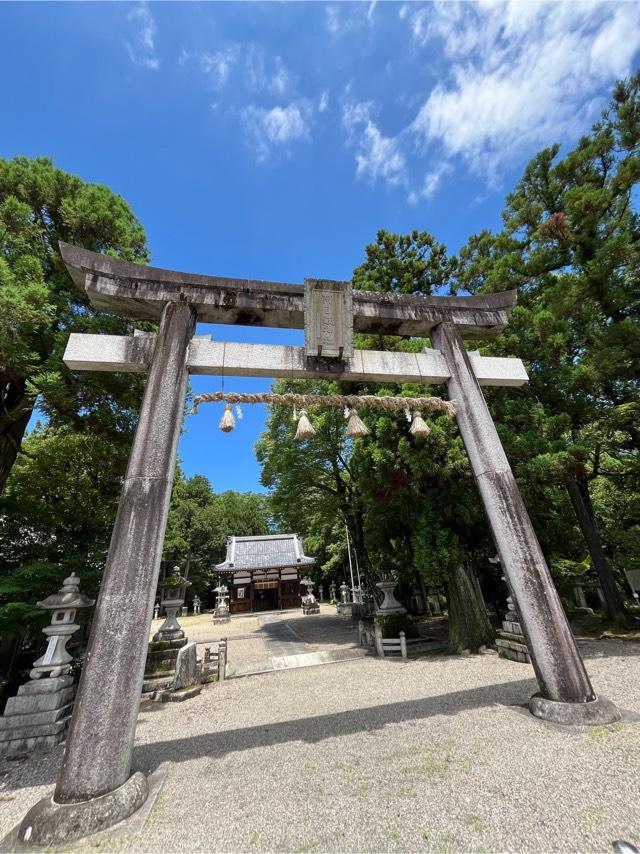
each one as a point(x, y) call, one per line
point(571, 245)
point(40, 306)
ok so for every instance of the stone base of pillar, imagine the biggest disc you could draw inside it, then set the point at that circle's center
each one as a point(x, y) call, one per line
point(598, 712)
point(49, 823)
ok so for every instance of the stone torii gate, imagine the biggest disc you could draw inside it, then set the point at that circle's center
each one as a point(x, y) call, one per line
point(95, 787)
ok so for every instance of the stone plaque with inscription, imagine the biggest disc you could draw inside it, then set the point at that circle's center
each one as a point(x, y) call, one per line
point(328, 319)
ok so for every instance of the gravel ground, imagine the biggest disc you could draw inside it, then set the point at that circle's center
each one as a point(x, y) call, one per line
point(435, 754)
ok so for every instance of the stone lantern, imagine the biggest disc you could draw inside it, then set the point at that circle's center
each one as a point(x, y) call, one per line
point(37, 718)
point(174, 591)
point(309, 603)
point(221, 613)
point(332, 592)
point(63, 605)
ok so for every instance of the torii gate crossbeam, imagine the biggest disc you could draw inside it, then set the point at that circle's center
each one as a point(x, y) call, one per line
point(94, 787)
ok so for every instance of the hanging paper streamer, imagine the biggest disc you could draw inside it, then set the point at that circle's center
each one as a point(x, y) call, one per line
point(238, 412)
point(356, 426)
point(227, 422)
point(419, 426)
point(305, 427)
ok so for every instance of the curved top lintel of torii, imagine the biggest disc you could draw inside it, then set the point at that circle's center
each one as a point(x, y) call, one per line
point(140, 292)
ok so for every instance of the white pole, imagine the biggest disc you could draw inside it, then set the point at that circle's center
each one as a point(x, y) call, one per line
point(346, 527)
point(355, 554)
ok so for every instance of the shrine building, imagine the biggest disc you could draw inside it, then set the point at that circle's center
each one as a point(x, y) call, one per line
point(263, 573)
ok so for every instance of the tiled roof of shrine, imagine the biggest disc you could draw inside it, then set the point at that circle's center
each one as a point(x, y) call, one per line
point(266, 552)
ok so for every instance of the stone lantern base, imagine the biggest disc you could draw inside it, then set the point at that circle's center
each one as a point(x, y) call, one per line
point(38, 717)
point(160, 670)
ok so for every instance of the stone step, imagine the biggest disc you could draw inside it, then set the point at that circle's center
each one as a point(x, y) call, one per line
point(158, 683)
point(501, 643)
point(513, 628)
point(19, 747)
point(48, 717)
point(23, 730)
point(27, 704)
point(510, 636)
point(45, 686)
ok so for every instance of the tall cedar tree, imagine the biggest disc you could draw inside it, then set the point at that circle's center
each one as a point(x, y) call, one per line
point(571, 246)
point(40, 306)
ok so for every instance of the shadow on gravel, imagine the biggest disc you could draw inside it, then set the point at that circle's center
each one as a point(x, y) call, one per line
point(607, 648)
point(147, 757)
point(322, 727)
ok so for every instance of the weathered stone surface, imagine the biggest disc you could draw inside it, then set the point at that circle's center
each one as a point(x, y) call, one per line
point(186, 667)
point(50, 716)
point(328, 318)
point(179, 696)
point(50, 823)
point(19, 747)
point(598, 712)
point(132, 290)
point(119, 353)
point(27, 704)
point(555, 657)
point(105, 713)
point(45, 686)
point(26, 729)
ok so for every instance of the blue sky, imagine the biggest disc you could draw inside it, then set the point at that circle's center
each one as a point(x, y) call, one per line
point(272, 140)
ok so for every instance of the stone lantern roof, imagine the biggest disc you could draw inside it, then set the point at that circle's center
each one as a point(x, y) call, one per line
point(68, 596)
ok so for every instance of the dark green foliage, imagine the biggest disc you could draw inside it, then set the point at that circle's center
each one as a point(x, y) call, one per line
point(40, 305)
point(571, 245)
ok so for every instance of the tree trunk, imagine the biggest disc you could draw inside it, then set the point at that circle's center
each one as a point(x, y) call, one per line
point(469, 625)
point(578, 489)
point(15, 415)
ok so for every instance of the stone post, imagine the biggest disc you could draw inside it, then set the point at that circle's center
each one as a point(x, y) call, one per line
point(403, 644)
point(566, 692)
point(99, 746)
point(377, 630)
point(222, 660)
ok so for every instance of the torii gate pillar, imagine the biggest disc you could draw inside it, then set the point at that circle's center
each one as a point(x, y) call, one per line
point(94, 788)
point(566, 695)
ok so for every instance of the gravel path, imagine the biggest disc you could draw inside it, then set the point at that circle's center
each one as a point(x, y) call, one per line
point(380, 755)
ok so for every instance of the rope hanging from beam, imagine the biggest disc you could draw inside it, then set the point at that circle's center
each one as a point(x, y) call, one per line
point(350, 403)
point(353, 401)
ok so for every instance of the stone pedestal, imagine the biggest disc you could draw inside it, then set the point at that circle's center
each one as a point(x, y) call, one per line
point(390, 604)
point(160, 669)
point(511, 642)
point(37, 718)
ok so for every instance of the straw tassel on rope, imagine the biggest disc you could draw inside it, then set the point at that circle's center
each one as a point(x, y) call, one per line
point(419, 427)
point(356, 426)
point(305, 427)
point(227, 422)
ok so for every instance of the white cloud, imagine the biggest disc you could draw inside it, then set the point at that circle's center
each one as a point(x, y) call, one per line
point(344, 17)
point(277, 127)
point(141, 45)
point(323, 103)
point(522, 75)
point(431, 183)
point(377, 156)
point(248, 62)
point(219, 65)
